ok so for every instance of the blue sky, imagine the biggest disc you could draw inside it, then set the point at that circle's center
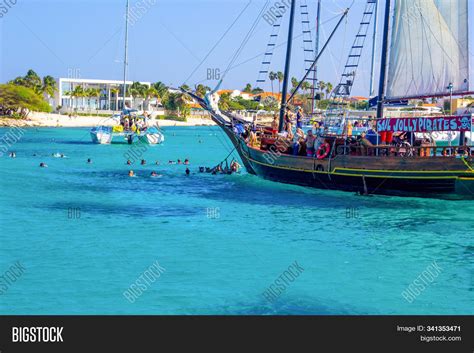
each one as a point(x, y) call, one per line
point(167, 42)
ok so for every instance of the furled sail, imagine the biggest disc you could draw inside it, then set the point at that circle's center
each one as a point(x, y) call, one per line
point(429, 48)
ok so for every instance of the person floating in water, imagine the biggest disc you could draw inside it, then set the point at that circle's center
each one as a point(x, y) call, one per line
point(13, 155)
point(131, 174)
point(186, 161)
point(179, 161)
point(43, 165)
point(143, 162)
point(188, 172)
point(234, 166)
point(171, 162)
point(89, 160)
point(157, 162)
point(129, 162)
point(153, 174)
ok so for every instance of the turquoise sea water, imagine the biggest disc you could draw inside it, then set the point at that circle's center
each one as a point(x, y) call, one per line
point(223, 240)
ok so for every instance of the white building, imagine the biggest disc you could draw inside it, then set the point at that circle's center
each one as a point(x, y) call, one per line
point(111, 98)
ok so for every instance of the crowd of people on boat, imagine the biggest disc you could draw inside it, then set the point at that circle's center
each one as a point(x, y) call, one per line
point(135, 124)
point(355, 137)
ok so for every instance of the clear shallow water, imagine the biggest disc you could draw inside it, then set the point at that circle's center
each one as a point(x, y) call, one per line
point(355, 262)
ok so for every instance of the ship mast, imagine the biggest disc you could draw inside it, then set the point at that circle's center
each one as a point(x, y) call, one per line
point(287, 67)
point(315, 73)
point(374, 49)
point(383, 62)
point(125, 62)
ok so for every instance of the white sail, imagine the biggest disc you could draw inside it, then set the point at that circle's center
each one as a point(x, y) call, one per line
point(429, 48)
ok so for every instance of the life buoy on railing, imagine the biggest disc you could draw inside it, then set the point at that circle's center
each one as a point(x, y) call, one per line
point(323, 151)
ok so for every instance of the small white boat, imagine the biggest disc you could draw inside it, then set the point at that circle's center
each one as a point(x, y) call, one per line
point(101, 135)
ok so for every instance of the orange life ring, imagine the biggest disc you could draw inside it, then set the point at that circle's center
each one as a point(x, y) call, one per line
point(323, 151)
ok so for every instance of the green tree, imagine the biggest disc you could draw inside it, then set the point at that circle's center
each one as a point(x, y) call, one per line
point(201, 90)
point(49, 86)
point(77, 92)
point(322, 87)
point(23, 99)
point(280, 78)
point(272, 76)
point(224, 102)
point(248, 88)
point(329, 88)
point(257, 90)
point(163, 92)
point(115, 91)
point(176, 104)
point(185, 87)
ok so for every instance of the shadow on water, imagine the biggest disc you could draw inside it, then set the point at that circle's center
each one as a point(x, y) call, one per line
point(286, 305)
point(132, 211)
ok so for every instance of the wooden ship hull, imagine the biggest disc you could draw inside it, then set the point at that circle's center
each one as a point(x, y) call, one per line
point(440, 176)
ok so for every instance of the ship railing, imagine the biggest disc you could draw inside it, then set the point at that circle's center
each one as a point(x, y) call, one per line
point(405, 151)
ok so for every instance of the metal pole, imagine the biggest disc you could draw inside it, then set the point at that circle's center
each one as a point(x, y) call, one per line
point(383, 61)
point(125, 63)
point(374, 49)
point(287, 66)
point(315, 77)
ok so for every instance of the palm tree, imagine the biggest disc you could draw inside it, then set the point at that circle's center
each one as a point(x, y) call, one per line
point(329, 88)
point(201, 90)
point(97, 93)
point(176, 103)
point(89, 93)
point(138, 90)
point(272, 76)
point(305, 86)
point(185, 87)
point(280, 78)
point(224, 102)
point(78, 92)
point(49, 86)
point(163, 92)
point(33, 81)
point(322, 87)
point(115, 91)
point(294, 83)
point(150, 92)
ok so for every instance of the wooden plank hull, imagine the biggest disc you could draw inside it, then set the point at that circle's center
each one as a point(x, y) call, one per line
point(425, 177)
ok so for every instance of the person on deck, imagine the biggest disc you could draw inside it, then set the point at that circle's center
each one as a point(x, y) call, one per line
point(254, 124)
point(288, 122)
point(275, 125)
point(310, 140)
point(299, 118)
point(365, 144)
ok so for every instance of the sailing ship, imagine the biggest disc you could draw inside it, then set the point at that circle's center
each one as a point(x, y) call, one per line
point(142, 129)
point(428, 53)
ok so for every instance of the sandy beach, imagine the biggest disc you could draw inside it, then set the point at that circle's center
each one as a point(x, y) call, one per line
point(57, 120)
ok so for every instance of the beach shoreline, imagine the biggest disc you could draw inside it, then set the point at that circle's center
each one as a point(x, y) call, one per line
point(58, 120)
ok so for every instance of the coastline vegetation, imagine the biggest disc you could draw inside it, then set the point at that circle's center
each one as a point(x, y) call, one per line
point(27, 93)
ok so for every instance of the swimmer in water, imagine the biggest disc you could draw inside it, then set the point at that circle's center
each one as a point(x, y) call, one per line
point(186, 161)
point(131, 174)
point(13, 155)
point(43, 165)
point(129, 162)
point(170, 162)
point(89, 160)
point(188, 172)
point(179, 161)
point(157, 162)
point(143, 162)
